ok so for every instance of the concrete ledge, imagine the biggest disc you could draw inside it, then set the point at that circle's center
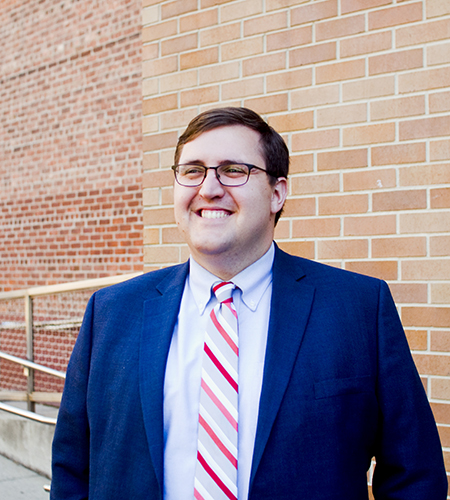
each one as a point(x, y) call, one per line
point(26, 442)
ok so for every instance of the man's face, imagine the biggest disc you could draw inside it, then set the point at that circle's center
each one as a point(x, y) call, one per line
point(227, 226)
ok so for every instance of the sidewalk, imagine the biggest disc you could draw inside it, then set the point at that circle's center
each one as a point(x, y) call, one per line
point(19, 483)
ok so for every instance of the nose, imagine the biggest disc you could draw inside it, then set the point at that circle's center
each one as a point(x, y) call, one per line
point(211, 186)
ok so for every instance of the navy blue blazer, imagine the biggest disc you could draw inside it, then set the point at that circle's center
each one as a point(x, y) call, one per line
point(339, 387)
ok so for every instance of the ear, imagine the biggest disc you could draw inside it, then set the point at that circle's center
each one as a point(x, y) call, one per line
point(279, 193)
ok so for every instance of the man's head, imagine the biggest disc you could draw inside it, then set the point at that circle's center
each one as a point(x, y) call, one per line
point(228, 224)
point(273, 147)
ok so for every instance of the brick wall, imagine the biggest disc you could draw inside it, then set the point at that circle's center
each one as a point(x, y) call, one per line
point(71, 141)
point(70, 164)
point(359, 89)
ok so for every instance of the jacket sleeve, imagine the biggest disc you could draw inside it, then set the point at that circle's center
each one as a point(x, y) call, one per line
point(70, 452)
point(409, 462)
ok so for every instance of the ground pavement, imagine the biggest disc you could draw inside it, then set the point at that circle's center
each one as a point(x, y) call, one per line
point(19, 483)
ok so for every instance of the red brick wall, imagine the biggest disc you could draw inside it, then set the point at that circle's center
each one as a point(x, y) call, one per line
point(70, 141)
point(360, 91)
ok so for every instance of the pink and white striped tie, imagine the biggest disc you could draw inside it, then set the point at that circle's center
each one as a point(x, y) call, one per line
point(216, 471)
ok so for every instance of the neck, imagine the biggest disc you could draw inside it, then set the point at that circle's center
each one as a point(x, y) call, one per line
point(226, 267)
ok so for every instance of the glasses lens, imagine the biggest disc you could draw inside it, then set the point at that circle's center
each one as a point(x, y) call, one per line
point(234, 174)
point(190, 175)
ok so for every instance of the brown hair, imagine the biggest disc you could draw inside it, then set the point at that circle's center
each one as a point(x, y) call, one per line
point(273, 147)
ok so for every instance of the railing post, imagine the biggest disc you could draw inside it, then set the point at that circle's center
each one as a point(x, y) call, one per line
point(31, 406)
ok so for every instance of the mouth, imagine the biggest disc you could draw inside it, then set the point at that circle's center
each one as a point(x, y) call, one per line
point(213, 214)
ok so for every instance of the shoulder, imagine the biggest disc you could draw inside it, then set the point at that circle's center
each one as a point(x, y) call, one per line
point(321, 275)
point(145, 286)
point(337, 292)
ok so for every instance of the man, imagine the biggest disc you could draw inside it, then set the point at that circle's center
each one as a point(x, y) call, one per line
point(315, 377)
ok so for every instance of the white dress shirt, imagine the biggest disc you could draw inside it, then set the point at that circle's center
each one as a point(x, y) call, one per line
point(184, 365)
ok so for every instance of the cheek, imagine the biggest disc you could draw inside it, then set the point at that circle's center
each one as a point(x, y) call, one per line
point(182, 209)
point(181, 200)
point(178, 211)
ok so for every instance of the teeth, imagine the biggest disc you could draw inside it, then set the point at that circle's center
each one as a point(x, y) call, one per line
point(214, 214)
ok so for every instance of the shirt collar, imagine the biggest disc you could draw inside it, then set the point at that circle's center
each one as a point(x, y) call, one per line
point(252, 281)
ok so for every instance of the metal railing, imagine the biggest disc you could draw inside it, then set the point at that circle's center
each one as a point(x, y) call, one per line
point(28, 364)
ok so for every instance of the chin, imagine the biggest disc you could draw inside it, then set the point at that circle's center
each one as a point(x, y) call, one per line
point(208, 248)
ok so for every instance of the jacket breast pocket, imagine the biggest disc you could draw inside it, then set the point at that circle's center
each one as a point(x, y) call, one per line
point(341, 386)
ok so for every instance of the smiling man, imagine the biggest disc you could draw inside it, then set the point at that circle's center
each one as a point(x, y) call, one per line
point(227, 227)
point(245, 373)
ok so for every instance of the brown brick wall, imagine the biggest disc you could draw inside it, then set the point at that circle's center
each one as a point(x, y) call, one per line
point(70, 141)
point(360, 91)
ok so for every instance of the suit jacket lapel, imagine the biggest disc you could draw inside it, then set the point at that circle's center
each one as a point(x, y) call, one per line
point(160, 316)
point(291, 305)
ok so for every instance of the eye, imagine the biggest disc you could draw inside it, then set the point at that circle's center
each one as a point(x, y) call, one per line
point(191, 170)
point(234, 170)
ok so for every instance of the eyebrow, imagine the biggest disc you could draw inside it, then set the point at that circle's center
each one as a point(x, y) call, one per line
point(202, 163)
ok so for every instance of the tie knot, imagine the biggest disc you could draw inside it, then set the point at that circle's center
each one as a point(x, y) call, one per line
point(224, 291)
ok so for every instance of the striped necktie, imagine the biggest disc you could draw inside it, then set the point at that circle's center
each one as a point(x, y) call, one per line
point(216, 471)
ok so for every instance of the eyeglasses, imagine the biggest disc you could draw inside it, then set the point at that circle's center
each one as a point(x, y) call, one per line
point(228, 174)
